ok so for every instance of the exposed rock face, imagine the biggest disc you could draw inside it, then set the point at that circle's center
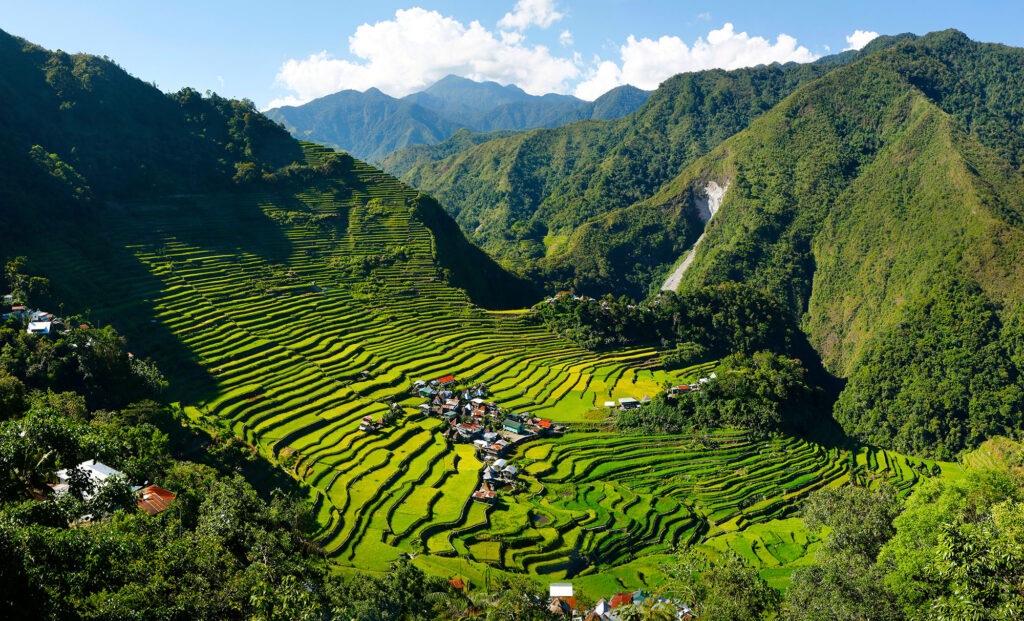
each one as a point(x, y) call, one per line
point(707, 201)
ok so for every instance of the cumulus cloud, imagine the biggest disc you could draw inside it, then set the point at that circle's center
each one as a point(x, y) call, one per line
point(565, 38)
point(859, 39)
point(419, 47)
point(645, 63)
point(528, 13)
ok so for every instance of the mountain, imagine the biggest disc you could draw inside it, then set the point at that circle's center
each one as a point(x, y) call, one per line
point(521, 197)
point(79, 134)
point(403, 160)
point(883, 204)
point(371, 124)
point(877, 196)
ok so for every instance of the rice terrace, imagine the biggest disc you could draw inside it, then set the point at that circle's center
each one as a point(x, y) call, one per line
point(323, 349)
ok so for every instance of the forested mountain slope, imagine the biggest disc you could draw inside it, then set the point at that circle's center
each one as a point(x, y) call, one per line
point(401, 161)
point(78, 126)
point(371, 124)
point(79, 132)
point(521, 196)
point(883, 204)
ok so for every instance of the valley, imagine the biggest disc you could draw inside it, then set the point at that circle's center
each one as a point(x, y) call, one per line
point(755, 335)
point(290, 344)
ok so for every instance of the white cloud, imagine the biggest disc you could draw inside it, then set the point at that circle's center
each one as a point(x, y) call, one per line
point(706, 16)
point(645, 63)
point(419, 47)
point(528, 13)
point(565, 38)
point(859, 39)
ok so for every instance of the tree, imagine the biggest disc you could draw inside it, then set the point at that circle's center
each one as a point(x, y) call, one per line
point(12, 396)
point(957, 548)
point(840, 586)
point(844, 582)
point(982, 567)
point(860, 520)
point(726, 589)
point(518, 599)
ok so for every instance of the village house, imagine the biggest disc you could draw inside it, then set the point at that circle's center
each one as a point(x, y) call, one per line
point(17, 312)
point(39, 327)
point(512, 425)
point(154, 499)
point(444, 381)
point(485, 496)
point(628, 403)
point(96, 472)
point(369, 425)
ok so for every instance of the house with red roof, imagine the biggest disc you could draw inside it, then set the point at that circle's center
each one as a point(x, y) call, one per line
point(155, 499)
point(485, 496)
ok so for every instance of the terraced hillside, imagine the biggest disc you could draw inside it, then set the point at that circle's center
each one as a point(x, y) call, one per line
point(288, 317)
point(600, 508)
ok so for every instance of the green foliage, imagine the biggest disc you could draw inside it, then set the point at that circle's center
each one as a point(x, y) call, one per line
point(724, 590)
point(842, 586)
point(940, 381)
point(79, 126)
point(519, 598)
point(762, 393)
point(860, 521)
point(844, 583)
point(24, 286)
point(12, 397)
point(956, 552)
point(712, 321)
point(91, 362)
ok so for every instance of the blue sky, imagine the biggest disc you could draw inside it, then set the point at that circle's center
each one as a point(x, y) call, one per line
point(280, 53)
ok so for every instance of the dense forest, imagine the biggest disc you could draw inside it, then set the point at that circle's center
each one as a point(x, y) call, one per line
point(522, 197)
point(691, 325)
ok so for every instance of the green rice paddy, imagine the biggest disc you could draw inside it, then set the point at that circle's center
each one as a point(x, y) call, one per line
point(248, 303)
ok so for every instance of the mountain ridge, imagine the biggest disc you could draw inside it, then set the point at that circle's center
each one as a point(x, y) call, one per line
point(372, 124)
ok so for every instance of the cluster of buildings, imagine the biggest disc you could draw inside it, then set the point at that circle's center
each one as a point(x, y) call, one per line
point(611, 609)
point(627, 403)
point(683, 389)
point(152, 499)
point(39, 321)
point(471, 418)
point(578, 298)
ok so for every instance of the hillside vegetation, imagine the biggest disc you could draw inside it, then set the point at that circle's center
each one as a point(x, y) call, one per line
point(864, 200)
point(372, 124)
point(292, 295)
point(521, 197)
point(286, 304)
